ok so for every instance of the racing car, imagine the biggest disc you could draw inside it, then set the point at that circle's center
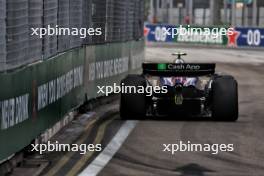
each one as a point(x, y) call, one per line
point(192, 89)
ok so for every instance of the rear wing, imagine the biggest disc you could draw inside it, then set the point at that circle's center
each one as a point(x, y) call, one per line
point(173, 69)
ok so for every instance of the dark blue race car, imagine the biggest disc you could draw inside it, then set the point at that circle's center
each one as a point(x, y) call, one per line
point(192, 89)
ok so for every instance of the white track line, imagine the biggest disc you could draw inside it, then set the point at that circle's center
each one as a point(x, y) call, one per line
point(106, 155)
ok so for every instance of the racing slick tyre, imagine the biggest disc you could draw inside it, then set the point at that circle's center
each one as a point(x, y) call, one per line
point(225, 99)
point(133, 105)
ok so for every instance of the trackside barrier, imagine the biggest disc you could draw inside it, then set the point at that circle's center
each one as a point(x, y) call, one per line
point(36, 97)
point(241, 37)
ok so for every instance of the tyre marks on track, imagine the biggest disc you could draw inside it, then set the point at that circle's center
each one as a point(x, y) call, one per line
point(72, 163)
point(98, 139)
point(69, 155)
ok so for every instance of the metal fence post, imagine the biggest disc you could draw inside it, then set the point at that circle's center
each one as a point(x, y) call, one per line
point(191, 11)
point(225, 12)
point(254, 15)
point(212, 5)
point(246, 15)
point(233, 20)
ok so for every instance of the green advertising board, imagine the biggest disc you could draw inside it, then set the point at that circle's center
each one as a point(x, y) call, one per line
point(35, 97)
point(203, 35)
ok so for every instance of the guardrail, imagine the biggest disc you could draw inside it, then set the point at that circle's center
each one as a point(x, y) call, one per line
point(36, 97)
point(241, 36)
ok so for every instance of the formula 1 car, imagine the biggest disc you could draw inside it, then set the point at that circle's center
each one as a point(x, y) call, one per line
point(192, 89)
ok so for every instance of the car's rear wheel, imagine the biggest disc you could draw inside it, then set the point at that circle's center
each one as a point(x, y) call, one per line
point(133, 105)
point(225, 99)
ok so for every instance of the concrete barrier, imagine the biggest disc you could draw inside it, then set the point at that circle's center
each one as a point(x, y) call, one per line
point(37, 97)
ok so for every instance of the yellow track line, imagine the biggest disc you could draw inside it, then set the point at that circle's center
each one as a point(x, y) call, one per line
point(67, 157)
point(82, 161)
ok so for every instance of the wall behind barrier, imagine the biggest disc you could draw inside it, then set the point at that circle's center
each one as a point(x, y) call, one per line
point(34, 98)
point(241, 37)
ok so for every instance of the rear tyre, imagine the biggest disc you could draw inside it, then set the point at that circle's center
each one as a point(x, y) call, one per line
point(225, 99)
point(133, 105)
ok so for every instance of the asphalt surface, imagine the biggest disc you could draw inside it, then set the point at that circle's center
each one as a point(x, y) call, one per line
point(142, 153)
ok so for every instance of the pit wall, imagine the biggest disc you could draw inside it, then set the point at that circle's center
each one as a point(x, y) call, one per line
point(35, 98)
point(242, 36)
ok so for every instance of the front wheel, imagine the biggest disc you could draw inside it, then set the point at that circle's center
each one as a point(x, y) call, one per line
point(225, 99)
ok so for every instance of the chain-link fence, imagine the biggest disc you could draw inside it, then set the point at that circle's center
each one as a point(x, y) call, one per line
point(17, 32)
point(35, 21)
point(119, 20)
point(2, 34)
